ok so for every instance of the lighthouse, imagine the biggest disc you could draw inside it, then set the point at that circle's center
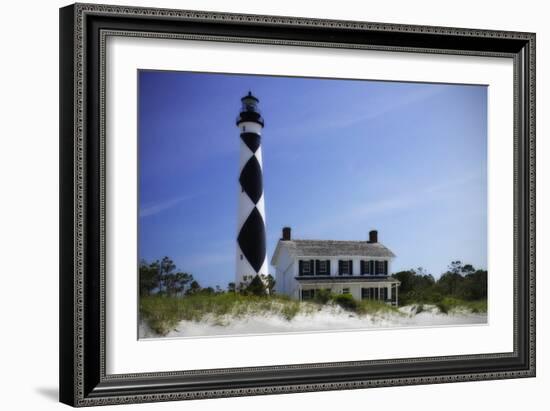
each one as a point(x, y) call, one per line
point(251, 242)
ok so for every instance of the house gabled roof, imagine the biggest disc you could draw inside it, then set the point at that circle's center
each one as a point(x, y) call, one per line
point(331, 248)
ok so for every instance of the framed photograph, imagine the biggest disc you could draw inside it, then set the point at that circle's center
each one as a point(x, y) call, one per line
point(261, 204)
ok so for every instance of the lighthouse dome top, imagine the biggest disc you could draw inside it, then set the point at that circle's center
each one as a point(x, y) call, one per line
point(250, 97)
point(249, 110)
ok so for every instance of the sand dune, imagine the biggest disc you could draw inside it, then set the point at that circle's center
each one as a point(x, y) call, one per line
point(330, 318)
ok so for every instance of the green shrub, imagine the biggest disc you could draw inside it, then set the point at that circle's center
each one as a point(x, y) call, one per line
point(443, 307)
point(477, 306)
point(346, 301)
point(322, 296)
point(435, 297)
point(256, 287)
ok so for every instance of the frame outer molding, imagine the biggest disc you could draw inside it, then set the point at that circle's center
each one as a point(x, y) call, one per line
point(74, 369)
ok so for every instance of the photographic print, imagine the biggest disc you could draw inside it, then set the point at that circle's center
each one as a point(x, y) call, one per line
point(272, 204)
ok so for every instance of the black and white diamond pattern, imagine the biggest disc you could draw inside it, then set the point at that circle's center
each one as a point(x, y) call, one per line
point(251, 238)
point(252, 141)
point(251, 179)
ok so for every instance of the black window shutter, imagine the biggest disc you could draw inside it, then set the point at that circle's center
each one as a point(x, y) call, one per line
point(350, 267)
point(362, 267)
point(311, 267)
point(300, 267)
point(371, 267)
point(386, 267)
point(340, 267)
point(328, 267)
point(316, 267)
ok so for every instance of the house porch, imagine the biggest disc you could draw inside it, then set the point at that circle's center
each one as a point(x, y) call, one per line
point(379, 289)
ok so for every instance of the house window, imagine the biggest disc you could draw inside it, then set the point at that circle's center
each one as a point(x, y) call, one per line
point(366, 267)
point(345, 267)
point(322, 267)
point(306, 268)
point(381, 268)
point(345, 291)
point(308, 294)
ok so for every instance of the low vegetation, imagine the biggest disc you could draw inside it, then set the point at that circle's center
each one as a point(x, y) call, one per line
point(450, 304)
point(162, 313)
point(169, 296)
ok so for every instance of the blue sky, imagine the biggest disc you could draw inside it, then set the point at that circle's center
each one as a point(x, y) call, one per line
point(340, 157)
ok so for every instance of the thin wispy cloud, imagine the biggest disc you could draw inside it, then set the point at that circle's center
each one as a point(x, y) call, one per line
point(148, 210)
point(407, 200)
point(349, 118)
point(382, 109)
point(400, 202)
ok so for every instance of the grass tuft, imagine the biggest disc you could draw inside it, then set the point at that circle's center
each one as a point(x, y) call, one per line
point(449, 304)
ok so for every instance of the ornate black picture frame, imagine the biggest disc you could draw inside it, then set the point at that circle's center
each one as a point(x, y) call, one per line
point(83, 30)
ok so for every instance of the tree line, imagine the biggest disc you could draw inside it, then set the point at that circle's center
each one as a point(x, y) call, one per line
point(161, 277)
point(461, 281)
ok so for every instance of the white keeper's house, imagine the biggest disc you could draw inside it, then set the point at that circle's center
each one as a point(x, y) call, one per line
point(359, 268)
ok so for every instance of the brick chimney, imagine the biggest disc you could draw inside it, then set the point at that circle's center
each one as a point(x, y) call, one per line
point(286, 234)
point(373, 236)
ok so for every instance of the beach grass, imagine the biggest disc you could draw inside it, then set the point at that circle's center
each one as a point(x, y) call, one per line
point(163, 313)
point(449, 304)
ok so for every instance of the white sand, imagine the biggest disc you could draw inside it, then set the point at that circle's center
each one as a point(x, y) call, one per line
point(326, 319)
